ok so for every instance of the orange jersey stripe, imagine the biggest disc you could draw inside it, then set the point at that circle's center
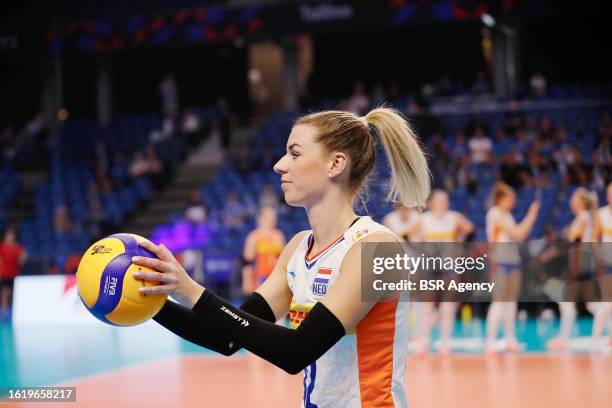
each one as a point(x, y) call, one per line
point(375, 338)
point(311, 257)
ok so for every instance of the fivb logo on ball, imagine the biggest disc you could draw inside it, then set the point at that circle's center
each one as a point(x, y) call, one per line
point(321, 281)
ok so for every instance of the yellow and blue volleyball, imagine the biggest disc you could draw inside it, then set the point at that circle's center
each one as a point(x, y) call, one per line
point(107, 286)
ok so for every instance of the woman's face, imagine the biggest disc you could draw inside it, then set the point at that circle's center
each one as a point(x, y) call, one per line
point(576, 204)
point(507, 202)
point(9, 237)
point(267, 218)
point(439, 203)
point(304, 169)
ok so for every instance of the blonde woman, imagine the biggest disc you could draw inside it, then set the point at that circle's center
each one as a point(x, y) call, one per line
point(583, 204)
point(504, 234)
point(352, 351)
point(440, 224)
point(603, 311)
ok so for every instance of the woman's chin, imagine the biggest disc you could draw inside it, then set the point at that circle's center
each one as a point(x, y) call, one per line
point(291, 201)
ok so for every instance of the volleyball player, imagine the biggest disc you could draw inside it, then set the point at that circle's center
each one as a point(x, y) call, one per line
point(504, 233)
point(404, 222)
point(352, 351)
point(262, 248)
point(440, 224)
point(583, 204)
point(603, 312)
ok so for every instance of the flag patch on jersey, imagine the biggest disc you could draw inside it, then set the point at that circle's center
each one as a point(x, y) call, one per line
point(321, 281)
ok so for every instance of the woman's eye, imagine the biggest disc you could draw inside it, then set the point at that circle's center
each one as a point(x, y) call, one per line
point(294, 154)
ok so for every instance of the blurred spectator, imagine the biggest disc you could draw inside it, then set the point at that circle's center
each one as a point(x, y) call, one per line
point(267, 160)
point(103, 184)
point(460, 147)
point(445, 87)
point(167, 129)
point(12, 257)
point(423, 123)
point(243, 160)
point(120, 168)
point(225, 123)
point(442, 164)
point(537, 84)
point(234, 213)
point(95, 219)
point(577, 172)
point(603, 151)
point(100, 156)
point(145, 165)
point(157, 172)
point(195, 211)
point(481, 84)
point(139, 166)
point(8, 143)
point(169, 94)
point(378, 94)
point(511, 172)
point(604, 127)
point(168, 126)
point(480, 147)
point(191, 129)
point(547, 130)
point(538, 167)
point(268, 197)
point(393, 93)
point(600, 177)
point(358, 103)
point(465, 176)
point(61, 221)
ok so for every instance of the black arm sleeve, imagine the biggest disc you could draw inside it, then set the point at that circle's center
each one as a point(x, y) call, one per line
point(187, 324)
point(291, 350)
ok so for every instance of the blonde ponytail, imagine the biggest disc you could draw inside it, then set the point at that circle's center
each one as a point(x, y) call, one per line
point(499, 191)
point(590, 200)
point(410, 177)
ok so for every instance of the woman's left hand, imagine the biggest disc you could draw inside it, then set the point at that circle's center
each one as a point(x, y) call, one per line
point(173, 278)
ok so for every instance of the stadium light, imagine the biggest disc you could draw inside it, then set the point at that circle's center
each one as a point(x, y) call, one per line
point(487, 20)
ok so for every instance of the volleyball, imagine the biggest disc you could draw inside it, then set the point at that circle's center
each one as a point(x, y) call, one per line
point(107, 286)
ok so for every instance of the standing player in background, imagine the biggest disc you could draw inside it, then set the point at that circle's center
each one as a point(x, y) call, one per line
point(12, 256)
point(404, 222)
point(440, 224)
point(505, 261)
point(262, 248)
point(583, 204)
point(353, 351)
point(603, 312)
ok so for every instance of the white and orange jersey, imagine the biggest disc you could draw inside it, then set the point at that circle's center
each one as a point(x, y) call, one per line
point(604, 217)
point(441, 228)
point(365, 367)
point(503, 254)
point(587, 233)
point(400, 225)
point(495, 216)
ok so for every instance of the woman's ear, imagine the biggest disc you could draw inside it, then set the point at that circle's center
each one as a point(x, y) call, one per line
point(338, 163)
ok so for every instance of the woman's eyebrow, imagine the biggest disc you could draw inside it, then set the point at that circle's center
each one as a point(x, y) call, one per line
point(292, 145)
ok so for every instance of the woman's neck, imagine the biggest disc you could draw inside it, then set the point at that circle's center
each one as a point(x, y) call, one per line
point(330, 218)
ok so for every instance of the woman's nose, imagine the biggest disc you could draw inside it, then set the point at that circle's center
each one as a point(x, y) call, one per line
point(280, 166)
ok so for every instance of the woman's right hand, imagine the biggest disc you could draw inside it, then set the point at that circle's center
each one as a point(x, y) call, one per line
point(534, 208)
